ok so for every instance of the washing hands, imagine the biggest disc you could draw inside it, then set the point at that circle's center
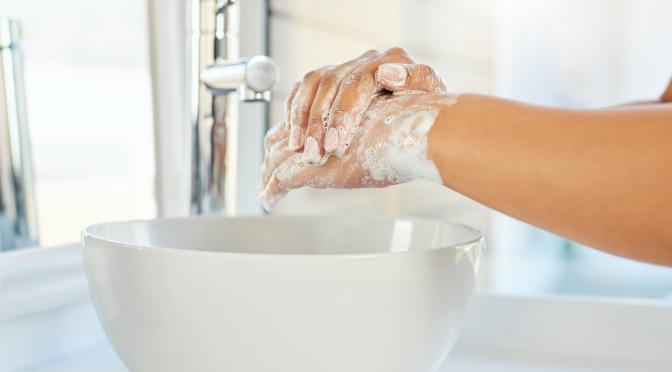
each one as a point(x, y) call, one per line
point(363, 123)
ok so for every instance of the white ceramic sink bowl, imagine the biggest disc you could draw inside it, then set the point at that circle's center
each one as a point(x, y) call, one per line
point(282, 294)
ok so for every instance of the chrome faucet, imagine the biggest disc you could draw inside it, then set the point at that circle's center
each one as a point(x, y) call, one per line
point(218, 80)
point(18, 222)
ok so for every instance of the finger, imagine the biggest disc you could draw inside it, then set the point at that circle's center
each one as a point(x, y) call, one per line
point(281, 129)
point(287, 176)
point(276, 142)
point(276, 133)
point(398, 77)
point(354, 95)
point(277, 154)
point(290, 99)
point(324, 97)
point(300, 108)
point(270, 195)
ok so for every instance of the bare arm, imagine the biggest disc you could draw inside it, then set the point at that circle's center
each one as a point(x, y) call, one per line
point(600, 177)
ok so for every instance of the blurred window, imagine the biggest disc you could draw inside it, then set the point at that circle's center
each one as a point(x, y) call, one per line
point(577, 54)
point(89, 110)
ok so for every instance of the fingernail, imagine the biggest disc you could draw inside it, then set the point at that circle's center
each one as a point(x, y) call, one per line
point(392, 73)
point(331, 140)
point(311, 152)
point(295, 137)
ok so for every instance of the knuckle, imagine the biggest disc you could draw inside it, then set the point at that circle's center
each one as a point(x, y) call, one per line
point(339, 116)
point(312, 75)
point(398, 51)
point(314, 123)
point(329, 80)
point(370, 53)
point(425, 72)
point(356, 77)
point(299, 113)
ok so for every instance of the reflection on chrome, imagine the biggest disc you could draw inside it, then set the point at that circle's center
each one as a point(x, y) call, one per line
point(218, 80)
point(18, 225)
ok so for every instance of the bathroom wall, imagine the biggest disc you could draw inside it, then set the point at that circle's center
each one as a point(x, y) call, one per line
point(454, 36)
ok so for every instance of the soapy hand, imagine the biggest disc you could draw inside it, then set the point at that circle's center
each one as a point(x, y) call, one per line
point(373, 112)
point(325, 108)
point(390, 148)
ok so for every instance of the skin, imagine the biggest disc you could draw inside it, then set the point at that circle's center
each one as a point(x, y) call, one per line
point(284, 168)
point(324, 110)
point(600, 177)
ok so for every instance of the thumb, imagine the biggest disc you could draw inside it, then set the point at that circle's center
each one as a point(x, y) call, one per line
point(398, 77)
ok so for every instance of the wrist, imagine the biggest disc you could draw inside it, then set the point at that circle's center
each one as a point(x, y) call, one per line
point(404, 122)
point(454, 135)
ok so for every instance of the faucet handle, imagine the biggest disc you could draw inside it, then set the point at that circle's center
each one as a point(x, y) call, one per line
point(262, 74)
point(253, 78)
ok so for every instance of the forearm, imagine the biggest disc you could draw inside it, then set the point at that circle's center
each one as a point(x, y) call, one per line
point(600, 177)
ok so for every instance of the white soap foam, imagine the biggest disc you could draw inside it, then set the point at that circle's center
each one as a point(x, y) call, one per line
point(402, 156)
point(390, 147)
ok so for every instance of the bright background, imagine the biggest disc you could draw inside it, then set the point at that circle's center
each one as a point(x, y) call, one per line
point(89, 96)
point(89, 111)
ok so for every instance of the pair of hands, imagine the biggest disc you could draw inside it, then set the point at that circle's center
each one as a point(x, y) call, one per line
point(323, 116)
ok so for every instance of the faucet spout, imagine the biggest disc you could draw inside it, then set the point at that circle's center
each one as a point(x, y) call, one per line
point(253, 78)
point(219, 81)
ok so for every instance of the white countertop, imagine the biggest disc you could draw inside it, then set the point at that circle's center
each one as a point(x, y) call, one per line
point(48, 324)
point(514, 335)
point(103, 359)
